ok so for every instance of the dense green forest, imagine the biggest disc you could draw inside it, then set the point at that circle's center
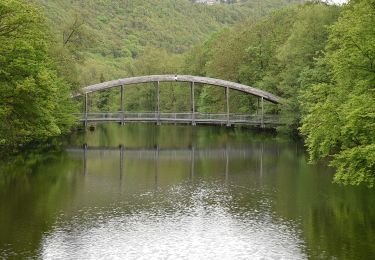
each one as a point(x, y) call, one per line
point(273, 53)
point(319, 57)
point(49, 49)
point(35, 101)
point(106, 37)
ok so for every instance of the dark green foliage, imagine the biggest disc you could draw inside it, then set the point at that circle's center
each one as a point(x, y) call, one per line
point(321, 60)
point(34, 102)
point(111, 39)
point(270, 53)
point(340, 119)
point(105, 36)
point(322, 63)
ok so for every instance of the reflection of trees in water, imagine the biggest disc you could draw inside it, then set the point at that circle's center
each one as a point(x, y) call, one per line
point(34, 186)
point(261, 176)
point(24, 163)
point(167, 135)
point(336, 221)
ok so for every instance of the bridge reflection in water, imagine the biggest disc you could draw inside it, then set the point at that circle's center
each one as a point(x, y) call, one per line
point(157, 154)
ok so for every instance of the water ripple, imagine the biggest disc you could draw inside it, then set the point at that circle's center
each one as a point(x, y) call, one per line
point(179, 223)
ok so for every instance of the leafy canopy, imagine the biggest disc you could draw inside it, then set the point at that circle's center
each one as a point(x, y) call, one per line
point(340, 119)
point(34, 102)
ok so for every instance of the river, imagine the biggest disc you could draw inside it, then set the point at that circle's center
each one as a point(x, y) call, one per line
point(179, 192)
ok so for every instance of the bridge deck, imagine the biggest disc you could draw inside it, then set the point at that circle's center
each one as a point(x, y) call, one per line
point(184, 118)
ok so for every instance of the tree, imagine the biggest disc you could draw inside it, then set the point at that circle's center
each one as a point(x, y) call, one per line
point(340, 119)
point(34, 102)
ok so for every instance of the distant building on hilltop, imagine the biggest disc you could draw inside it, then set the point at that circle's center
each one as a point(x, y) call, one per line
point(211, 2)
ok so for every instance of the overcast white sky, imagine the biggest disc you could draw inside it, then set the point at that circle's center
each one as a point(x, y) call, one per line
point(337, 1)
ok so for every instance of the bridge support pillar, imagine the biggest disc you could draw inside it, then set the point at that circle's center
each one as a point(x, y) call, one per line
point(192, 102)
point(227, 104)
point(158, 102)
point(262, 116)
point(122, 106)
point(86, 107)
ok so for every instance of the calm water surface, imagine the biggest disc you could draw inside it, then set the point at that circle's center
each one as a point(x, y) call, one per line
point(178, 192)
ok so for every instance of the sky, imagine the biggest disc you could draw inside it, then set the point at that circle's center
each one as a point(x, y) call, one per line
point(337, 1)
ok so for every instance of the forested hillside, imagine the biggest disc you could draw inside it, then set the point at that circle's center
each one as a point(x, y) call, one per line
point(107, 36)
point(103, 40)
point(271, 53)
point(320, 58)
point(49, 49)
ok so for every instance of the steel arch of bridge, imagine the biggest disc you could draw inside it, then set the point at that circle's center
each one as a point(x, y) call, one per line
point(156, 117)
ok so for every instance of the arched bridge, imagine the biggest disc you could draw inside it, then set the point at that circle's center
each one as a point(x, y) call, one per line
point(194, 117)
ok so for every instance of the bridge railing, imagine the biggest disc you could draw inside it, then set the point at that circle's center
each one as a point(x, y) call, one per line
point(183, 117)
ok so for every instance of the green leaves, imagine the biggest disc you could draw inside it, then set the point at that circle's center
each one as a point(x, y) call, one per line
point(340, 117)
point(34, 103)
point(355, 165)
point(321, 58)
point(352, 45)
point(275, 53)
